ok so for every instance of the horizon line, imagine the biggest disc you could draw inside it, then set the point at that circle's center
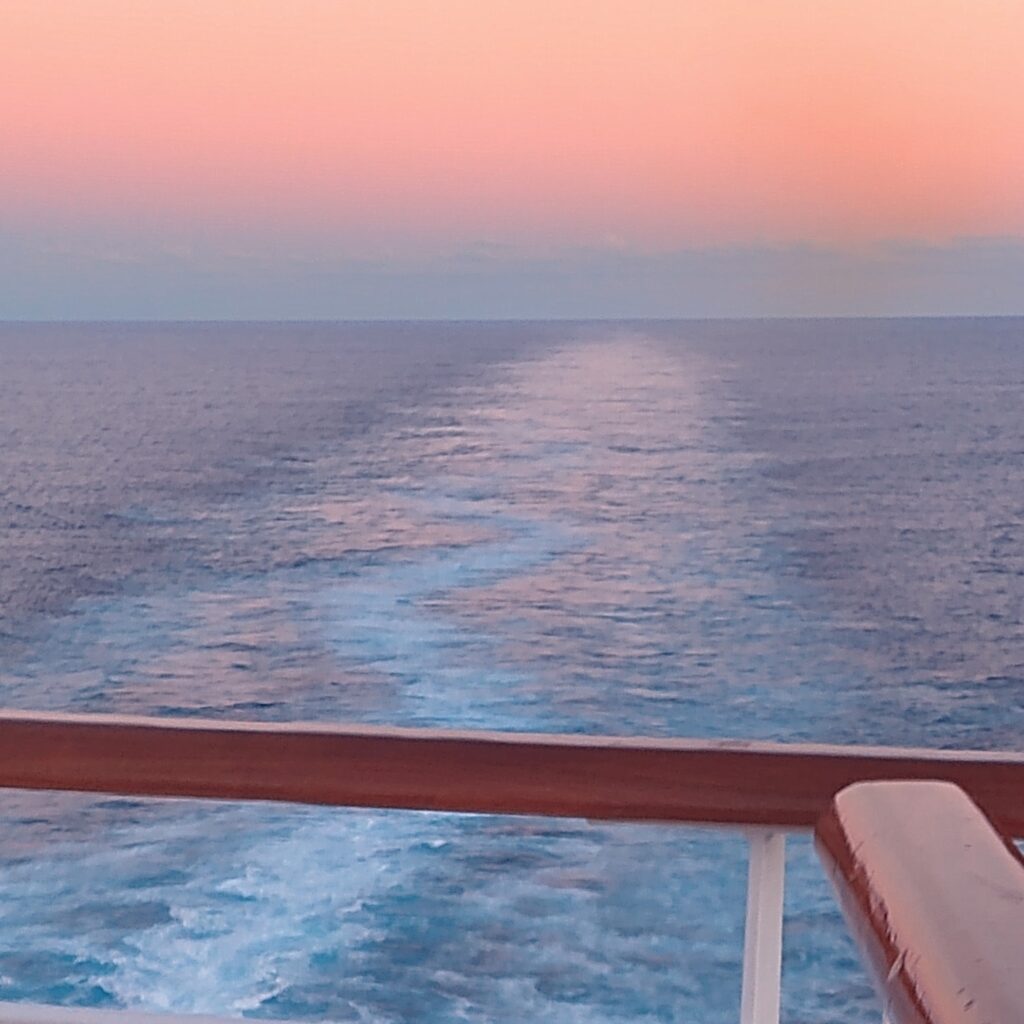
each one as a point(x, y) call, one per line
point(682, 318)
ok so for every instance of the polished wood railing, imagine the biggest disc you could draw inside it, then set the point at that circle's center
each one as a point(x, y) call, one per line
point(776, 785)
point(767, 789)
point(934, 895)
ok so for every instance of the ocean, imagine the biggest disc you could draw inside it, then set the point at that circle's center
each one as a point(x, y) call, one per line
point(792, 530)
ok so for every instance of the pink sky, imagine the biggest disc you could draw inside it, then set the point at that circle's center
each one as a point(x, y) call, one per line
point(660, 123)
point(380, 128)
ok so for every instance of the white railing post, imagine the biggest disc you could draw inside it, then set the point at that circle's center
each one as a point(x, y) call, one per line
point(762, 938)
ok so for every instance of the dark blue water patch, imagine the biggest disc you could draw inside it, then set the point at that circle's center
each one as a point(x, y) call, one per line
point(41, 976)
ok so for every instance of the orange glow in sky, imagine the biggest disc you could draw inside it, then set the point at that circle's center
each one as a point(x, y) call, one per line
point(659, 124)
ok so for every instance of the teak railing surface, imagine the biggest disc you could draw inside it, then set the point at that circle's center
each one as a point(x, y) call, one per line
point(786, 786)
point(934, 896)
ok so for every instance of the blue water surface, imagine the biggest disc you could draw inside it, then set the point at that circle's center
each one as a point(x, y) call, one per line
point(785, 530)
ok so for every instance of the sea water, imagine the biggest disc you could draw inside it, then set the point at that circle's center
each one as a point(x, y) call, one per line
point(782, 530)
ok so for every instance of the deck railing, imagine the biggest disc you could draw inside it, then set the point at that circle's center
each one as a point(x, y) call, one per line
point(934, 895)
point(766, 788)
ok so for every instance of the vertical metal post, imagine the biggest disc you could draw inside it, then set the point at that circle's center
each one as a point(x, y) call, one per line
point(762, 939)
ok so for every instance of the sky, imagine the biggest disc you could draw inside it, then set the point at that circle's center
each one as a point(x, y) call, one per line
point(193, 159)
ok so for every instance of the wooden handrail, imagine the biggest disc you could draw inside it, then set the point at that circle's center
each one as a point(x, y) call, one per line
point(612, 778)
point(935, 897)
